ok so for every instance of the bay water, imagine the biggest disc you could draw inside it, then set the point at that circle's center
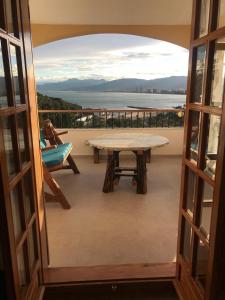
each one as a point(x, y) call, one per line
point(112, 100)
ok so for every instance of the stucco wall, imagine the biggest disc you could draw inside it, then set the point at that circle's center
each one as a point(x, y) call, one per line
point(46, 33)
point(79, 137)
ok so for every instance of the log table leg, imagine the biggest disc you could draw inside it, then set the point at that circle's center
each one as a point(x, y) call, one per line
point(109, 175)
point(116, 158)
point(96, 155)
point(141, 172)
point(116, 178)
point(148, 155)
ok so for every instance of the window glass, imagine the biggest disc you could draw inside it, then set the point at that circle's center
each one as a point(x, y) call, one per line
point(187, 239)
point(204, 17)
point(15, 74)
point(191, 182)
point(11, 16)
point(198, 79)
point(28, 195)
point(194, 134)
point(22, 269)
point(32, 246)
point(3, 92)
point(10, 151)
point(221, 17)
point(3, 268)
point(218, 76)
point(212, 145)
point(2, 21)
point(16, 211)
point(206, 209)
point(23, 137)
point(201, 263)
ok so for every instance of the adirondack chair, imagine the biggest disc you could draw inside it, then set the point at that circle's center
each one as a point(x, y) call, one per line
point(49, 133)
point(54, 157)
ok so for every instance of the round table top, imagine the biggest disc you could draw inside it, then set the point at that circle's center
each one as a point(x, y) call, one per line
point(128, 141)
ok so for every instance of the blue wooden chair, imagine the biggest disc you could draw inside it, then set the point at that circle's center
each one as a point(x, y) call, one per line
point(49, 133)
point(53, 158)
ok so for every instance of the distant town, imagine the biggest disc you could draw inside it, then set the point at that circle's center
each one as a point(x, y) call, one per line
point(159, 91)
point(167, 85)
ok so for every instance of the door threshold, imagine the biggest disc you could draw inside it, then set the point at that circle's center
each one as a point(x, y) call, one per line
point(128, 272)
point(161, 290)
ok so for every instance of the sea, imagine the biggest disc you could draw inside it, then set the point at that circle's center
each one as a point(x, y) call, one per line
point(112, 100)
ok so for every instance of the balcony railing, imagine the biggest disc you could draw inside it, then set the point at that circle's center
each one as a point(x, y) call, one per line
point(100, 118)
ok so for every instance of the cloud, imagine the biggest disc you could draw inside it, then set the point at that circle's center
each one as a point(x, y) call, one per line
point(138, 55)
point(110, 57)
point(166, 54)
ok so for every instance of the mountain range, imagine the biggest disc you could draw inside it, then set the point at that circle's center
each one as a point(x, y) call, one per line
point(119, 85)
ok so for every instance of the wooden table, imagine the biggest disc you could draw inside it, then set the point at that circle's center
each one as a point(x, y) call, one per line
point(140, 144)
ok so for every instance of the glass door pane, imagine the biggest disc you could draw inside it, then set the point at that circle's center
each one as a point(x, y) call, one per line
point(16, 74)
point(218, 76)
point(201, 263)
point(206, 209)
point(204, 18)
point(221, 18)
point(212, 145)
point(190, 192)
point(11, 13)
point(187, 240)
point(28, 195)
point(3, 92)
point(23, 137)
point(194, 135)
point(22, 270)
point(2, 21)
point(199, 74)
point(10, 149)
point(32, 246)
point(16, 204)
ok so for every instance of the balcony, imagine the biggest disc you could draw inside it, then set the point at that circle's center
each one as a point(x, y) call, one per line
point(84, 235)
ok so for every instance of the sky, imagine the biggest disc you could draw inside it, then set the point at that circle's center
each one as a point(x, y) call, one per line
point(109, 57)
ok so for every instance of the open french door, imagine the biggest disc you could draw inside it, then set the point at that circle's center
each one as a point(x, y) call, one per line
point(201, 242)
point(21, 204)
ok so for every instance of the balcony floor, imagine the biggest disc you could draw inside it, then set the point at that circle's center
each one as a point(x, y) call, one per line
point(116, 228)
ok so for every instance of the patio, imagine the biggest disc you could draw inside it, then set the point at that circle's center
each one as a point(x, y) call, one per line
point(116, 228)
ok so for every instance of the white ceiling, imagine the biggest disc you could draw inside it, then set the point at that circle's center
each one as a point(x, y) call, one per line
point(111, 12)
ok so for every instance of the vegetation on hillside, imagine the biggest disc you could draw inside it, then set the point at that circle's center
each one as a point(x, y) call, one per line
point(60, 120)
point(46, 102)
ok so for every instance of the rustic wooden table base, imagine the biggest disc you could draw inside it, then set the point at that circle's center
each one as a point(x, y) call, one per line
point(96, 155)
point(114, 172)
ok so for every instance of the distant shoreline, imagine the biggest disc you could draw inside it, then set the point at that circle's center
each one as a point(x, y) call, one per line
point(124, 92)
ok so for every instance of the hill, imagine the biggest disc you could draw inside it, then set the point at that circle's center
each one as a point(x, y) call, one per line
point(173, 83)
point(70, 85)
point(45, 103)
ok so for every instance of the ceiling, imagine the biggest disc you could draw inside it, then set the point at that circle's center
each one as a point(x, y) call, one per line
point(111, 12)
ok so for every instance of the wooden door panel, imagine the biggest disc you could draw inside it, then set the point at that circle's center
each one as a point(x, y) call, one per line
point(201, 224)
point(21, 180)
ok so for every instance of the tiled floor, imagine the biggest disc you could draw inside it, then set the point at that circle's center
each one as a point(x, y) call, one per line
point(116, 228)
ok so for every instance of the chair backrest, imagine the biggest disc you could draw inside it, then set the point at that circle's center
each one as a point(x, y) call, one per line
point(50, 133)
point(43, 143)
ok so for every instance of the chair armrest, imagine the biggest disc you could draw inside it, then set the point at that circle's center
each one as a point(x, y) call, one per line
point(61, 133)
point(48, 148)
point(212, 156)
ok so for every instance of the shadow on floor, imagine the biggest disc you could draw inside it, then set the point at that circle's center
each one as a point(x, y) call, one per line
point(134, 291)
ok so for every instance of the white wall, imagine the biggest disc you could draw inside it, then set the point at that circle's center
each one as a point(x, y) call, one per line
point(79, 137)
